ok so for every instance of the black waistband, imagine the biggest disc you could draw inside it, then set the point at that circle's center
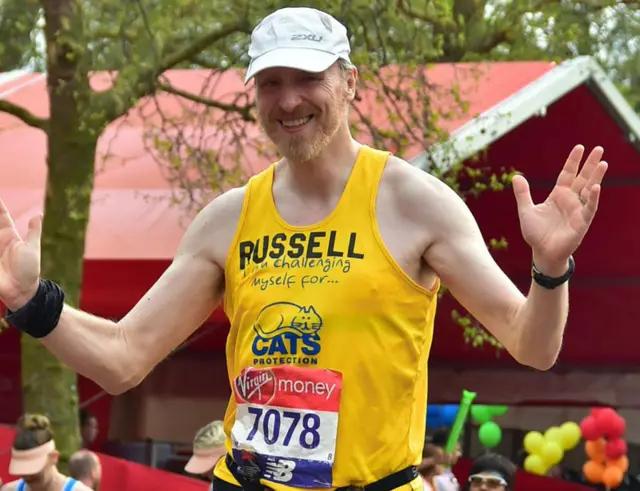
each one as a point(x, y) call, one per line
point(395, 480)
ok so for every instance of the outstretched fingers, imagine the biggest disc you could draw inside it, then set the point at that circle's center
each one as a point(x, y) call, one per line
point(589, 173)
point(5, 217)
point(568, 174)
point(522, 193)
point(591, 206)
point(34, 232)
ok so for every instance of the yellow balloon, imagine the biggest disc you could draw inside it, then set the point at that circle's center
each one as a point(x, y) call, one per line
point(570, 435)
point(535, 465)
point(553, 434)
point(551, 453)
point(533, 442)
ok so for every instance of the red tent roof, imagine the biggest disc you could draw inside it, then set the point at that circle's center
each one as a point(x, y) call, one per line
point(132, 197)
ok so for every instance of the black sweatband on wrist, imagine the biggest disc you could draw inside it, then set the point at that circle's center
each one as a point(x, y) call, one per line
point(40, 315)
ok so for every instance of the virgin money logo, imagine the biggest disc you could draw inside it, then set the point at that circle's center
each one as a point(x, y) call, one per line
point(256, 386)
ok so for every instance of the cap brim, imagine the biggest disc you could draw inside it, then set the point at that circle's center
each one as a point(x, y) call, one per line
point(27, 466)
point(200, 465)
point(305, 59)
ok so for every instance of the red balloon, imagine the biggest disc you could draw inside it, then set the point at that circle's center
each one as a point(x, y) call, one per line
point(610, 423)
point(595, 411)
point(615, 449)
point(589, 428)
point(617, 427)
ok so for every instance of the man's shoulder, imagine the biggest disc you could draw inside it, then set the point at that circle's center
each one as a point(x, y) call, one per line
point(414, 191)
point(224, 209)
point(80, 486)
point(10, 486)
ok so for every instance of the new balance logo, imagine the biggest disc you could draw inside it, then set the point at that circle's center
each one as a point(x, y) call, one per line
point(280, 471)
point(306, 37)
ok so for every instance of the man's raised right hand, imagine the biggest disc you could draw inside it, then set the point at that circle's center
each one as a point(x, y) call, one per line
point(19, 260)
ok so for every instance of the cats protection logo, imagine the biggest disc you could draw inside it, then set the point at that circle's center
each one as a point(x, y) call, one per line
point(256, 386)
point(287, 333)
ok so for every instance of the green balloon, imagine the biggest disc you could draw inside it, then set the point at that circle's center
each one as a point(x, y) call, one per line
point(499, 410)
point(481, 414)
point(490, 434)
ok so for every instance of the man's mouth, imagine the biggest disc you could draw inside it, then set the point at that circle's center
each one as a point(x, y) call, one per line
point(295, 123)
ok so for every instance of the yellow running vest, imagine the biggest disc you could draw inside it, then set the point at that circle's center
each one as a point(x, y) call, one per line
point(329, 341)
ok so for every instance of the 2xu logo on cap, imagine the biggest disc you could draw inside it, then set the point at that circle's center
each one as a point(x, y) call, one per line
point(306, 37)
point(256, 386)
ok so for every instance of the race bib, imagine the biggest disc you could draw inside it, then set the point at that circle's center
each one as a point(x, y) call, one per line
point(287, 418)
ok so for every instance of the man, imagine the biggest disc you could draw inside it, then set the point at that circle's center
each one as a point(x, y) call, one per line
point(88, 428)
point(491, 472)
point(84, 466)
point(208, 448)
point(436, 462)
point(329, 263)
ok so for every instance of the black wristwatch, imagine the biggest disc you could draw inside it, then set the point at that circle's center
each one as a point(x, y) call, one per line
point(547, 281)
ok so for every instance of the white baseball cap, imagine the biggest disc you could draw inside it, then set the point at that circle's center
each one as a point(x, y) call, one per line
point(302, 38)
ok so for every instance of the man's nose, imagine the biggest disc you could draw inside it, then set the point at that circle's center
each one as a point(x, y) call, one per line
point(289, 99)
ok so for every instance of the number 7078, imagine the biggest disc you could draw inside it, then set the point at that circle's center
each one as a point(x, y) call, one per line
point(274, 421)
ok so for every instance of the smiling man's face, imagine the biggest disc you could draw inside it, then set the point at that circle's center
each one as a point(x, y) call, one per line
point(301, 111)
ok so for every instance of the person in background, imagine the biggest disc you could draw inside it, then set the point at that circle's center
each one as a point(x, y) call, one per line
point(34, 458)
point(435, 467)
point(491, 472)
point(88, 428)
point(84, 466)
point(208, 448)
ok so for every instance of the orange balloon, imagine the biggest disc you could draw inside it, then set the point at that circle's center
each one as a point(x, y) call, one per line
point(595, 450)
point(612, 477)
point(622, 463)
point(593, 471)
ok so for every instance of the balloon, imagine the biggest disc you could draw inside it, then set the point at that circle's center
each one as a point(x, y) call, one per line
point(551, 453)
point(595, 450)
point(533, 442)
point(616, 427)
point(622, 463)
point(615, 449)
point(612, 477)
point(433, 411)
point(481, 414)
point(570, 435)
point(610, 423)
point(434, 416)
point(554, 434)
point(589, 428)
point(498, 410)
point(449, 413)
point(593, 471)
point(535, 465)
point(461, 417)
point(490, 434)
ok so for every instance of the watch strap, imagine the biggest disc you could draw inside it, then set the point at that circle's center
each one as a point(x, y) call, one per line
point(549, 282)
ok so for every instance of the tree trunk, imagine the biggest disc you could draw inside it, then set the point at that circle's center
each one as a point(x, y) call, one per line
point(49, 387)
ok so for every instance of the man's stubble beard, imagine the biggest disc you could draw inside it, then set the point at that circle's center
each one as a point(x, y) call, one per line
point(300, 149)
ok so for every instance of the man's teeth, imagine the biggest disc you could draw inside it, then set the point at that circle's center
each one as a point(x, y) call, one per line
point(296, 122)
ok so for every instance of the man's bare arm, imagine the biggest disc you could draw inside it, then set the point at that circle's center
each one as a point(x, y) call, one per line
point(530, 328)
point(117, 356)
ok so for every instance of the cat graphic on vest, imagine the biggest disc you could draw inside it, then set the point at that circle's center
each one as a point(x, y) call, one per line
point(287, 318)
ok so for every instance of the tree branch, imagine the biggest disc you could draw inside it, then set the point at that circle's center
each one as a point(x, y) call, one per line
point(243, 111)
point(199, 45)
point(127, 91)
point(26, 116)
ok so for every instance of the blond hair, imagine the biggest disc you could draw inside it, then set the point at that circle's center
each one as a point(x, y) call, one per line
point(209, 436)
point(33, 430)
